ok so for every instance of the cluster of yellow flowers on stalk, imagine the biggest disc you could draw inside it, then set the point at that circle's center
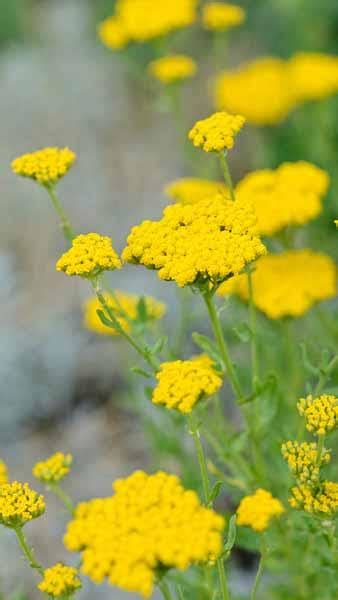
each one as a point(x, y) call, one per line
point(221, 16)
point(287, 284)
point(190, 190)
point(182, 383)
point(173, 68)
point(45, 166)
point(89, 255)
point(267, 89)
point(60, 581)
point(139, 21)
point(217, 132)
point(150, 523)
point(55, 468)
point(258, 509)
point(125, 307)
point(321, 414)
point(289, 195)
point(3, 473)
point(303, 460)
point(324, 500)
point(19, 504)
point(194, 243)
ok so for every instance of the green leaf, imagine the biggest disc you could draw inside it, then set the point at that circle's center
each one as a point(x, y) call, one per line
point(269, 384)
point(215, 492)
point(158, 347)
point(243, 332)
point(140, 371)
point(110, 322)
point(206, 344)
point(232, 533)
point(148, 392)
point(306, 361)
point(142, 311)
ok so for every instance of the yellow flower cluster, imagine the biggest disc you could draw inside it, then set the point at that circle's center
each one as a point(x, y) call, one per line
point(151, 522)
point(303, 460)
point(321, 500)
point(287, 284)
point(89, 255)
point(46, 166)
point(314, 76)
point(173, 68)
point(3, 473)
point(221, 16)
point(257, 510)
point(288, 195)
point(182, 383)
point(60, 581)
point(217, 132)
point(144, 20)
point(19, 504)
point(193, 243)
point(55, 468)
point(189, 190)
point(125, 307)
point(321, 414)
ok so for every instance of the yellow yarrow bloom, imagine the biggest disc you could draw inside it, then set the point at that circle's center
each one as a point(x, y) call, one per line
point(303, 462)
point(89, 255)
point(60, 581)
point(183, 383)
point(313, 76)
point(189, 190)
point(173, 68)
point(257, 510)
point(150, 522)
point(45, 166)
point(125, 307)
point(3, 472)
point(113, 34)
point(54, 468)
point(289, 195)
point(287, 284)
point(194, 243)
point(259, 91)
point(217, 132)
point(19, 504)
point(221, 16)
point(321, 414)
point(323, 500)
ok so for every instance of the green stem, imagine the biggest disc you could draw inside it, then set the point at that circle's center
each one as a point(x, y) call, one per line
point(259, 573)
point(164, 587)
point(226, 174)
point(61, 494)
point(253, 328)
point(27, 551)
point(218, 332)
point(222, 579)
point(324, 375)
point(65, 223)
point(320, 448)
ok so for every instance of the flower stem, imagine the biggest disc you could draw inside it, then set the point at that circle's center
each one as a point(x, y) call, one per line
point(65, 223)
point(226, 174)
point(222, 579)
point(324, 375)
point(320, 448)
point(165, 589)
point(259, 573)
point(253, 328)
point(61, 494)
point(218, 332)
point(27, 551)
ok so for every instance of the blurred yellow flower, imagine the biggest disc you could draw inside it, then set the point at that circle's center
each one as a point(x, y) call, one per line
point(19, 504)
point(258, 510)
point(45, 166)
point(3, 472)
point(313, 76)
point(217, 132)
point(172, 68)
point(54, 468)
point(60, 581)
point(287, 284)
point(221, 16)
point(189, 190)
point(112, 33)
point(321, 414)
point(89, 255)
point(322, 500)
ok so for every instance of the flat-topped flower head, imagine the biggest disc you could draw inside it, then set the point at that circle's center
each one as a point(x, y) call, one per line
point(54, 468)
point(19, 504)
point(151, 522)
point(197, 243)
point(321, 500)
point(60, 581)
point(126, 311)
point(189, 190)
point(89, 255)
point(258, 90)
point(172, 68)
point(222, 16)
point(258, 510)
point(303, 460)
point(217, 132)
point(289, 195)
point(45, 166)
point(113, 34)
point(3, 472)
point(313, 76)
point(287, 284)
point(321, 414)
point(183, 383)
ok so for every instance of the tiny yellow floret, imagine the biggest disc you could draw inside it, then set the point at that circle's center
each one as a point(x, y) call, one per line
point(113, 34)
point(46, 166)
point(150, 522)
point(322, 500)
point(173, 68)
point(217, 132)
point(321, 414)
point(3, 472)
point(303, 460)
point(222, 16)
point(19, 504)
point(60, 581)
point(189, 190)
point(257, 510)
point(54, 468)
point(183, 383)
point(89, 255)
